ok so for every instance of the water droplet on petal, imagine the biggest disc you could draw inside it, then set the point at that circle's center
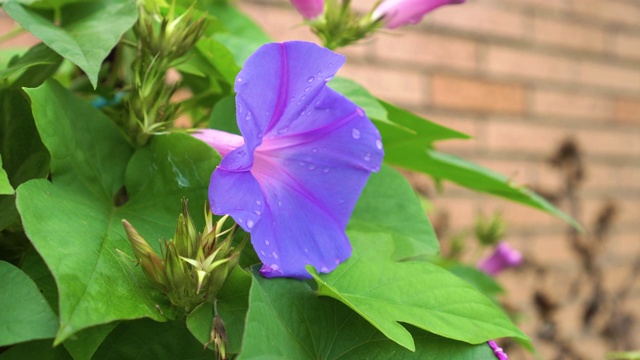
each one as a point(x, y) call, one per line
point(301, 163)
point(367, 157)
point(292, 99)
point(355, 133)
point(258, 202)
point(260, 134)
point(314, 150)
point(275, 267)
point(283, 130)
point(257, 212)
point(239, 80)
point(248, 116)
point(360, 112)
point(326, 170)
point(250, 224)
point(274, 255)
point(324, 269)
point(263, 253)
point(240, 221)
point(266, 242)
point(306, 250)
point(310, 79)
point(279, 203)
point(311, 167)
point(307, 89)
point(337, 261)
point(379, 144)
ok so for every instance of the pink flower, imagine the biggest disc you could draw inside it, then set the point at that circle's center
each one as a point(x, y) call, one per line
point(497, 350)
point(502, 258)
point(310, 9)
point(402, 12)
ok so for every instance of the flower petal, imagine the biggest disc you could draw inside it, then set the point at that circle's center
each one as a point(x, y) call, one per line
point(222, 141)
point(237, 194)
point(276, 83)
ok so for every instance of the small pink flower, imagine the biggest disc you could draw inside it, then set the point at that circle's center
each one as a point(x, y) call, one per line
point(502, 258)
point(402, 12)
point(310, 9)
point(500, 354)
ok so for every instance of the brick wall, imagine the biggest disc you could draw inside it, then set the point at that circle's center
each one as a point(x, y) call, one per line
point(521, 76)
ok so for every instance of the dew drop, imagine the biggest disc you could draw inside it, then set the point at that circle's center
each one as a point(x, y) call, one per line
point(310, 79)
point(367, 157)
point(263, 253)
point(279, 203)
point(311, 167)
point(379, 144)
point(326, 170)
point(314, 150)
point(239, 79)
point(324, 269)
point(274, 255)
point(266, 113)
point(250, 224)
point(337, 261)
point(257, 212)
point(266, 242)
point(260, 134)
point(307, 89)
point(240, 221)
point(292, 99)
point(283, 130)
point(360, 112)
point(355, 133)
point(303, 97)
point(248, 116)
point(275, 267)
point(306, 250)
point(301, 163)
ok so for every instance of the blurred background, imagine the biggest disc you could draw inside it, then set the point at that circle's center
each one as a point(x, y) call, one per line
point(550, 91)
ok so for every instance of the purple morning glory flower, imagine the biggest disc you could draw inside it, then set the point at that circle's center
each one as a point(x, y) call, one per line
point(306, 152)
point(502, 258)
point(500, 354)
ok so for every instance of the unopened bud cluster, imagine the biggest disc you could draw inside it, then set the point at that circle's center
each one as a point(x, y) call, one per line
point(163, 39)
point(195, 265)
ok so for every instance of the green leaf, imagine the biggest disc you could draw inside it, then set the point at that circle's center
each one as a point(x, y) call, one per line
point(359, 95)
point(5, 186)
point(146, 339)
point(240, 35)
point(223, 115)
point(418, 293)
point(23, 155)
point(25, 313)
point(34, 67)
point(41, 350)
point(88, 31)
point(388, 204)
point(481, 281)
point(219, 59)
point(84, 344)
point(286, 320)
point(35, 267)
point(75, 222)
point(232, 306)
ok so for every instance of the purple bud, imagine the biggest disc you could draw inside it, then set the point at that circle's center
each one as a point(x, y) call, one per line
point(502, 258)
point(310, 9)
point(402, 12)
point(500, 354)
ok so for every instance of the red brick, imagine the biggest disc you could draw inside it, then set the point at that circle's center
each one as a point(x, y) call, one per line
point(609, 76)
point(616, 143)
point(626, 45)
point(571, 105)
point(397, 86)
point(616, 12)
point(600, 177)
point(400, 47)
point(569, 35)
point(478, 18)
point(24, 40)
point(523, 137)
point(629, 176)
point(476, 94)
point(628, 110)
point(528, 64)
point(557, 5)
point(518, 216)
point(546, 177)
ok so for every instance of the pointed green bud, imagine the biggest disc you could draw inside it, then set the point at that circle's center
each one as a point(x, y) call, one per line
point(149, 261)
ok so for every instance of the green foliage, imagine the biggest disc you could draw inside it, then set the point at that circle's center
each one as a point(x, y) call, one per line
point(31, 318)
point(74, 222)
point(87, 32)
point(386, 292)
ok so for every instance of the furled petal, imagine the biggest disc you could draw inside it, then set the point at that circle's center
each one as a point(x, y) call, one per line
point(309, 8)
point(502, 258)
point(223, 142)
point(402, 12)
point(307, 155)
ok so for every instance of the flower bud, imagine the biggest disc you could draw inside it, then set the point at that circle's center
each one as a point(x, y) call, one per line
point(502, 258)
point(396, 13)
point(310, 9)
point(149, 261)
